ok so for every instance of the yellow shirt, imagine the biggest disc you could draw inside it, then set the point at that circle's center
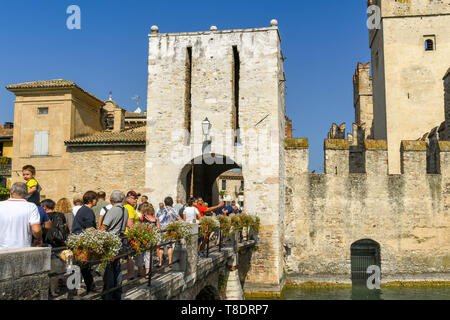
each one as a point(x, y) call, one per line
point(132, 214)
point(31, 183)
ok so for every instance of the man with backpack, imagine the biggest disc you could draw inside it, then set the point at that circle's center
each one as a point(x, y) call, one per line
point(55, 237)
point(57, 234)
point(114, 220)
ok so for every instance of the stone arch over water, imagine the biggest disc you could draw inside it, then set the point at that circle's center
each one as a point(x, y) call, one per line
point(208, 293)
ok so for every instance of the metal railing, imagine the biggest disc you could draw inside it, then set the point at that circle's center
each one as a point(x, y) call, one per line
point(130, 253)
point(209, 248)
point(222, 241)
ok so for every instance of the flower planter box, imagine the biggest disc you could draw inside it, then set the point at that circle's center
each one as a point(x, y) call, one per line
point(85, 256)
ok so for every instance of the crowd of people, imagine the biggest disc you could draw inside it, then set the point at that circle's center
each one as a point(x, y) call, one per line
point(26, 221)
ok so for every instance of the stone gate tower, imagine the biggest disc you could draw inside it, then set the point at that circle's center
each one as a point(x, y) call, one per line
point(230, 83)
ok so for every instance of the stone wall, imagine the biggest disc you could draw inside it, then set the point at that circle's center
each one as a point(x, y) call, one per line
point(107, 169)
point(24, 274)
point(407, 214)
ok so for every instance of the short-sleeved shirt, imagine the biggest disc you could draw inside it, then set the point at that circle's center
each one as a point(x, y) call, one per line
point(202, 209)
point(84, 219)
point(166, 216)
point(191, 214)
point(116, 219)
point(178, 208)
point(16, 218)
point(219, 211)
point(98, 207)
point(75, 210)
point(105, 209)
point(43, 215)
point(35, 196)
point(132, 214)
point(31, 183)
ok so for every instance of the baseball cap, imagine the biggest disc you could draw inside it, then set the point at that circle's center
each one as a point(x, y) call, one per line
point(133, 193)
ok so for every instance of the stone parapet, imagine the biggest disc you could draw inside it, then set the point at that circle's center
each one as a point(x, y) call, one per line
point(337, 156)
point(413, 157)
point(375, 144)
point(24, 274)
point(296, 143)
point(376, 157)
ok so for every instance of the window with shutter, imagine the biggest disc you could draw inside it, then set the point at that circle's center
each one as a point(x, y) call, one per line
point(41, 143)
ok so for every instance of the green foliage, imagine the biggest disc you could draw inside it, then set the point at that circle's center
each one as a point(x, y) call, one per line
point(4, 161)
point(225, 225)
point(245, 221)
point(179, 230)
point(143, 237)
point(208, 225)
point(4, 193)
point(223, 281)
point(256, 224)
point(236, 223)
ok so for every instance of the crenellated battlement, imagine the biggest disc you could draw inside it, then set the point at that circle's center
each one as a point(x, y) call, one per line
point(342, 158)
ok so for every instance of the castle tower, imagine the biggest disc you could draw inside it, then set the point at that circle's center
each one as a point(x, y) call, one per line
point(362, 101)
point(216, 101)
point(410, 55)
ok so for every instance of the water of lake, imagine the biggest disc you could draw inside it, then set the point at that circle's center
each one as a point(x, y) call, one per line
point(401, 293)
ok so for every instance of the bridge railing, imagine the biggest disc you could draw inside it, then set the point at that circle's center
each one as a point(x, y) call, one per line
point(179, 263)
point(130, 253)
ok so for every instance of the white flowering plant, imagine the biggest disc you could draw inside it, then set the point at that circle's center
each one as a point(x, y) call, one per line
point(98, 244)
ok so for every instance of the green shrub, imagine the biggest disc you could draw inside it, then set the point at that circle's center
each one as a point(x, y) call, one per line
point(4, 193)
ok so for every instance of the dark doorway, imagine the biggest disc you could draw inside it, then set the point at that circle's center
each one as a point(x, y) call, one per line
point(364, 253)
point(206, 171)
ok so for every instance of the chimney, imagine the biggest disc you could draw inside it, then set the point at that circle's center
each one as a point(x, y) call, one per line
point(119, 120)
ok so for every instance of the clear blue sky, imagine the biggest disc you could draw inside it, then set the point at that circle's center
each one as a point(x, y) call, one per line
point(322, 40)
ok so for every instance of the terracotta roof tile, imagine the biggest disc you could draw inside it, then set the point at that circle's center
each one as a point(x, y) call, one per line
point(135, 115)
point(135, 136)
point(56, 83)
point(230, 174)
point(46, 84)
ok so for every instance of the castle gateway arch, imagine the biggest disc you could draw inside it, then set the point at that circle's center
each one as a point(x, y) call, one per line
point(198, 176)
point(234, 80)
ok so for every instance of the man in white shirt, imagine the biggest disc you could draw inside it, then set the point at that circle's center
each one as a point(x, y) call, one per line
point(19, 220)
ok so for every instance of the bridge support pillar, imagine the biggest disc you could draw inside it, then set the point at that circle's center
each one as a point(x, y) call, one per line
point(234, 289)
point(191, 258)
